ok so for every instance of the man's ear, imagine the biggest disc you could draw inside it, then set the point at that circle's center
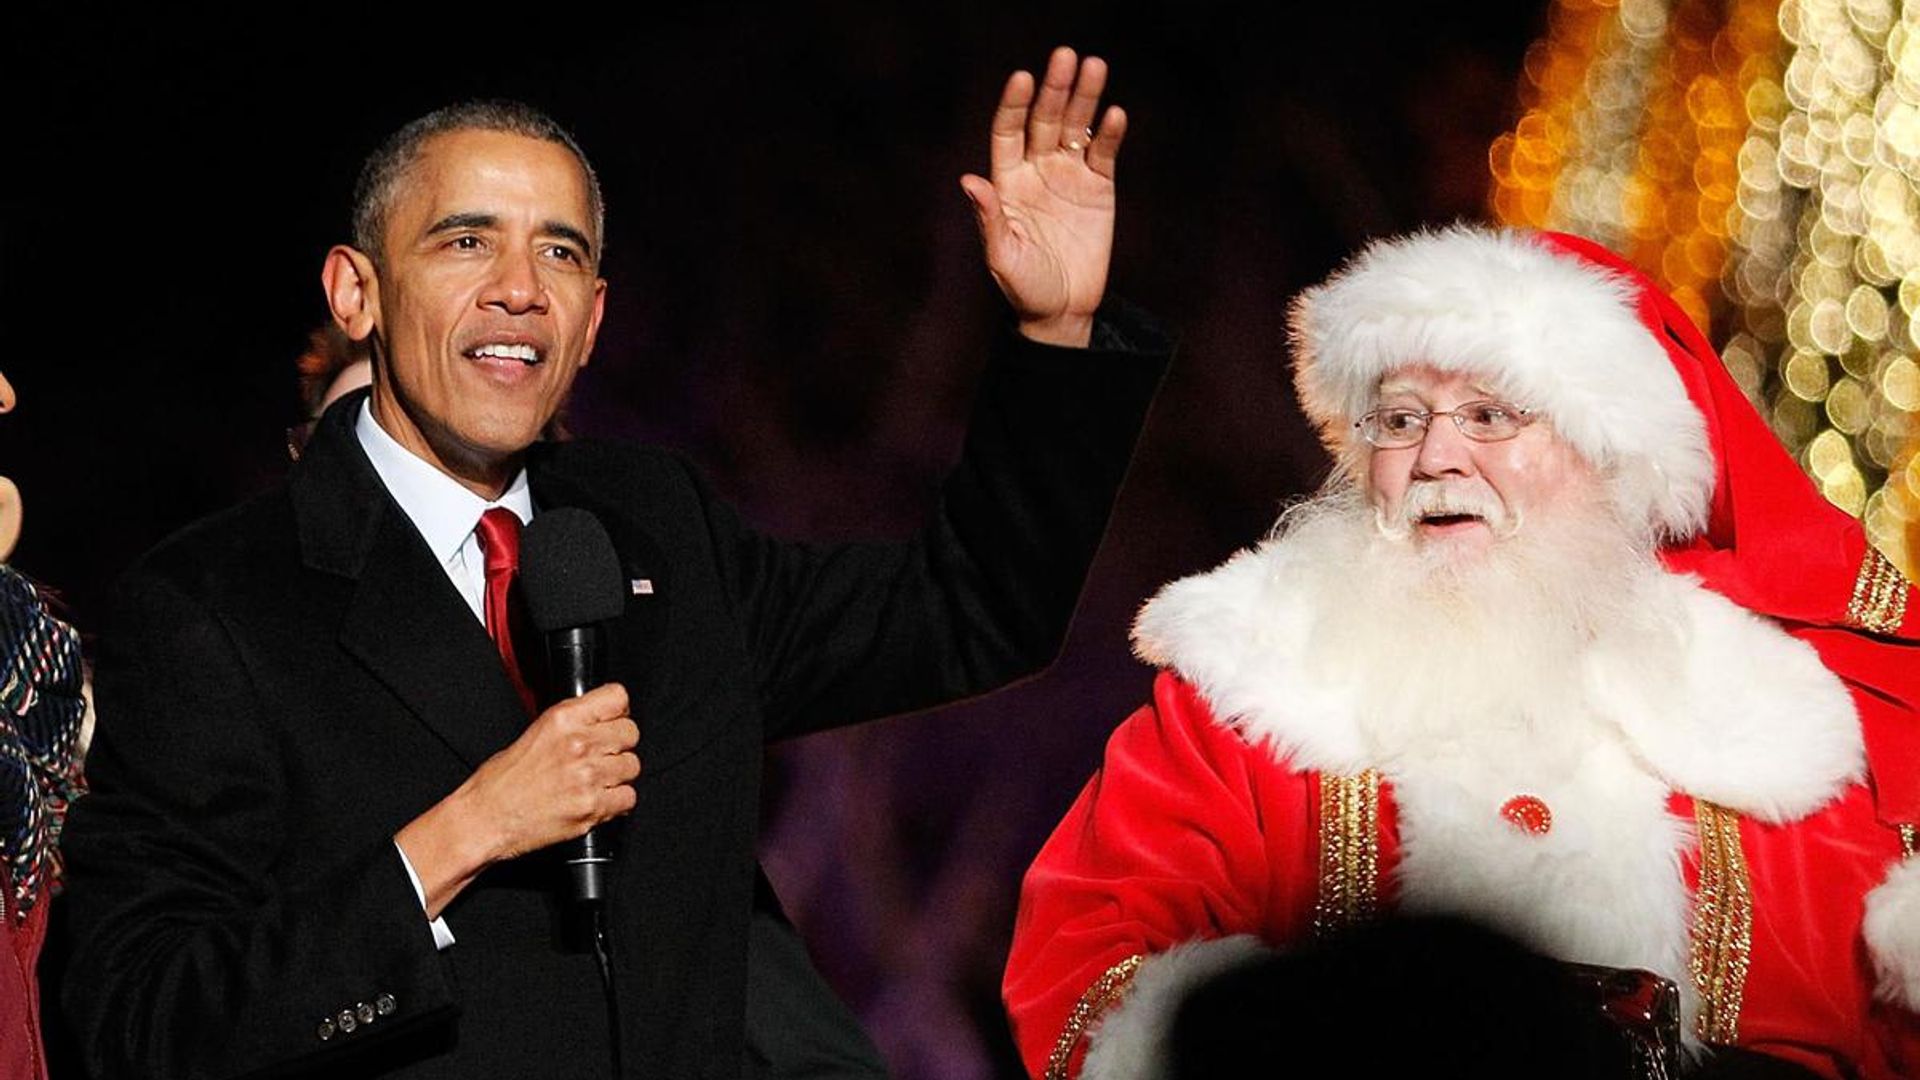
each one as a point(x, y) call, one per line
point(353, 291)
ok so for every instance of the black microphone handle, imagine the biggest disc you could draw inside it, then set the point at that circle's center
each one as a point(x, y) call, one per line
point(573, 652)
point(574, 655)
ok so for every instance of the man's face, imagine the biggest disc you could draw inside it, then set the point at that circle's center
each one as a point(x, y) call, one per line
point(1463, 493)
point(488, 299)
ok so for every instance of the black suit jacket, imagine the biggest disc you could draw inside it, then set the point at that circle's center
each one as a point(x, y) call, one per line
point(288, 683)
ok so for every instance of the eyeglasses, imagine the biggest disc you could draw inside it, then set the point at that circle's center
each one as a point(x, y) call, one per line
point(1393, 428)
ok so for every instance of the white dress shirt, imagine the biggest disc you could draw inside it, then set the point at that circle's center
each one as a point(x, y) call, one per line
point(443, 510)
point(445, 513)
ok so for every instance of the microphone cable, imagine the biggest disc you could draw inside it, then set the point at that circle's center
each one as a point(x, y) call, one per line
point(603, 958)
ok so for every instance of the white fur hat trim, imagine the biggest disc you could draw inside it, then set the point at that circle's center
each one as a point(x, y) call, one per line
point(1550, 330)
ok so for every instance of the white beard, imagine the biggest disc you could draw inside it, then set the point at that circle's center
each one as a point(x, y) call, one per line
point(1560, 661)
point(1468, 669)
point(1448, 646)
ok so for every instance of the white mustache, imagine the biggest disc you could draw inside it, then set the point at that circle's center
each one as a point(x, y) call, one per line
point(1433, 498)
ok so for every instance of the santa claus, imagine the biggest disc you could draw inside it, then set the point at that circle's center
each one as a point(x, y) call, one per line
point(1567, 645)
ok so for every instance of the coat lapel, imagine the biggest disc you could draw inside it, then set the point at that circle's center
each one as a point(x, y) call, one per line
point(404, 621)
point(410, 628)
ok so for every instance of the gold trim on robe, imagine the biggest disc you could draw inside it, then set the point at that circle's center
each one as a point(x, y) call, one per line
point(1722, 924)
point(1349, 851)
point(1104, 992)
point(1879, 601)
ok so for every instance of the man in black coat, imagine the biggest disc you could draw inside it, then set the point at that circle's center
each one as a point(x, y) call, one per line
point(320, 836)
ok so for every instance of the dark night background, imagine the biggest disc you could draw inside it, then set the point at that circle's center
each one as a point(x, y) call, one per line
point(797, 302)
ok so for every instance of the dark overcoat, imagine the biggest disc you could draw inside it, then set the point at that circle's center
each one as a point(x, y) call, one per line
point(286, 684)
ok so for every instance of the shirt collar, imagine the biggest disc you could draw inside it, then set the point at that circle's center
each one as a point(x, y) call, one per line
point(441, 509)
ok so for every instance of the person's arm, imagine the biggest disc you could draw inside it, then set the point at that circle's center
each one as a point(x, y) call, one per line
point(979, 596)
point(196, 952)
point(983, 593)
point(572, 769)
point(1183, 853)
point(192, 956)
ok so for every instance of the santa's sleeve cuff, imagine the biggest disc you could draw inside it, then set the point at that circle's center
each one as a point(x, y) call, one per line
point(1892, 930)
point(1127, 1032)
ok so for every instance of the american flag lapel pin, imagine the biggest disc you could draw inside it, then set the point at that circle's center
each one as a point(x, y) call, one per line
point(641, 586)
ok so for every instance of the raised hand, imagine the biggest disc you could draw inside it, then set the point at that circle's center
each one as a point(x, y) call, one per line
point(1046, 215)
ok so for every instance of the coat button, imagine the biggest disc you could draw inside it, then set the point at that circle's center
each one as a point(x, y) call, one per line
point(384, 1004)
point(347, 1021)
point(364, 1011)
point(326, 1030)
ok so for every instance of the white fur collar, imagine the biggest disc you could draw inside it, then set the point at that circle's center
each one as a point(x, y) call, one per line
point(1755, 722)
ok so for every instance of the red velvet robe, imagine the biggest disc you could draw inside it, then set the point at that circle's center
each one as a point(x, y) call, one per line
point(1189, 831)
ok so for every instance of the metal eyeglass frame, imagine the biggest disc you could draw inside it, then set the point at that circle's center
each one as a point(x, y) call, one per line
point(1369, 427)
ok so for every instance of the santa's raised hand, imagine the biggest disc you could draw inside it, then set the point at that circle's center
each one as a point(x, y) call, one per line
point(1046, 214)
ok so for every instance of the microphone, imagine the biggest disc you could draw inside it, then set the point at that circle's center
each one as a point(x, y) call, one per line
point(570, 580)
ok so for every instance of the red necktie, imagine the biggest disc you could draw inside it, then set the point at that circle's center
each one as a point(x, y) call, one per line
point(499, 534)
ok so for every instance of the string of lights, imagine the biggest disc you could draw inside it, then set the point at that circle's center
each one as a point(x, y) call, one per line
point(1761, 159)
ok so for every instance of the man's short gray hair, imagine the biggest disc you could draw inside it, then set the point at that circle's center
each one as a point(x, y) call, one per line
point(387, 166)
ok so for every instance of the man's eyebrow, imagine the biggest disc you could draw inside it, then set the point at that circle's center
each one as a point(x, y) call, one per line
point(466, 219)
point(570, 234)
point(475, 219)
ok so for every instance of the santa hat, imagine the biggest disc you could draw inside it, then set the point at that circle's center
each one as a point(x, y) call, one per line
point(1562, 325)
point(1553, 333)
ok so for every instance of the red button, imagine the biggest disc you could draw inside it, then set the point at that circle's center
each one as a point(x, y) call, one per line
point(1528, 813)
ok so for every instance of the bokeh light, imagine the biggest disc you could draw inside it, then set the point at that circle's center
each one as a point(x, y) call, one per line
point(1761, 160)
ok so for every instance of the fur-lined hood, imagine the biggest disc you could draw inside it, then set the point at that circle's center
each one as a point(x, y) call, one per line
point(1560, 334)
point(1756, 723)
